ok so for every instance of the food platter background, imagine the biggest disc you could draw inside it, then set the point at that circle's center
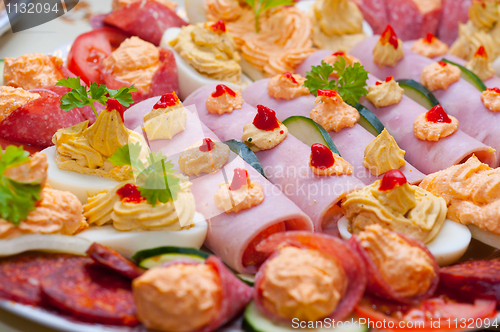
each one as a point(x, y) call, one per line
point(56, 37)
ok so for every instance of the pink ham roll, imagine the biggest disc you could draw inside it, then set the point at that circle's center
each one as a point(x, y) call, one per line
point(286, 165)
point(376, 284)
point(348, 258)
point(428, 157)
point(232, 236)
point(461, 99)
point(351, 142)
point(235, 293)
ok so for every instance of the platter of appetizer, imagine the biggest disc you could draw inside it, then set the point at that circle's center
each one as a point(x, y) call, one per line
point(258, 166)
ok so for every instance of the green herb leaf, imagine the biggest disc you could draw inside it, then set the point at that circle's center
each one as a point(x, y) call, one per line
point(155, 181)
point(17, 199)
point(82, 95)
point(351, 85)
point(259, 6)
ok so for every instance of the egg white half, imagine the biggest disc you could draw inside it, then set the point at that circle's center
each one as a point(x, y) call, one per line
point(447, 247)
point(128, 243)
point(44, 242)
point(189, 78)
point(81, 185)
point(485, 236)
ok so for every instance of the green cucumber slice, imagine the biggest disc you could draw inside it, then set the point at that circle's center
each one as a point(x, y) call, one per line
point(255, 321)
point(248, 279)
point(309, 132)
point(469, 76)
point(368, 120)
point(139, 256)
point(242, 150)
point(2, 64)
point(159, 260)
point(418, 93)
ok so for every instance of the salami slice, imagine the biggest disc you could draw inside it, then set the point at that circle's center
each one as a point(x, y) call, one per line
point(20, 275)
point(145, 19)
point(351, 142)
point(113, 260)
point(461, 99)
point(411, 19)
point(479, 278)
point(375, 13)
point(37, 121)
point(376, 284)
point(454, 12)
point(91, 293)
point(351, 262)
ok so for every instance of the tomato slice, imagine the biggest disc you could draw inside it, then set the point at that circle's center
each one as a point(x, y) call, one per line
point(436, 314)
point(89, 49)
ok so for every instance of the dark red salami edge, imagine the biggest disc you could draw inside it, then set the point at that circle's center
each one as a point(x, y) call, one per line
point(110, 258)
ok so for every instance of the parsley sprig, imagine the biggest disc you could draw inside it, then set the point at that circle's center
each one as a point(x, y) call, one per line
point(259, 6)
point(17, 199)
point(351, 85)
point(155, 181)
point(82, 95)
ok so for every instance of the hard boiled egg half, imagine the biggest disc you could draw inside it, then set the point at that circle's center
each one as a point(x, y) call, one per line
point(189, 78)
point(447, 247)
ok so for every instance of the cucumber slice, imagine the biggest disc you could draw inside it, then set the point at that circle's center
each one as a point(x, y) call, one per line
point(159, 260)
point(248, 279)
point(419, 93)
point(242, 150)
point(2, 64)
point(368, 120)
point(139, 256)
point(309, 132)
point(469, 76)
point(255, 321)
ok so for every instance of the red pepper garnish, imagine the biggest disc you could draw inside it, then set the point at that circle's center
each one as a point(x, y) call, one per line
point(481, 52)
point(114, 105)
point(265, 119)
point(167, 100)
point(339, 54)
point(327, 93)
point(389, 36)
point(207, 145)
point(289, 76)
point(221, 89)
point(429, 38)
point(442, 63)
point(497, 90)
point(321, 156)
point(437, 115)
point(392, 179)
point(130, 194)
point(218, 27)
point(240, 178)
point(387, 80)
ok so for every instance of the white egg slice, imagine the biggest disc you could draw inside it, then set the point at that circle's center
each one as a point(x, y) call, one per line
point(128, 243)
point(44, 242)
point(447, 247)
point(196, 11)
point(81, 185)
point(485, 236)
point(189, 78)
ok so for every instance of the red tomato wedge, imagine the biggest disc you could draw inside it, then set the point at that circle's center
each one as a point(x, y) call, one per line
point(89, 49)
point(436, 314)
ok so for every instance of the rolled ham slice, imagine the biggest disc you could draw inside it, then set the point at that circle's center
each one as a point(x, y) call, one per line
point(231, 236)
point(351, 262)
point(461, 99)
point(454, 12)
point(235, 293)
point(351, 142)
point(286, 165)
point(376, 284)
